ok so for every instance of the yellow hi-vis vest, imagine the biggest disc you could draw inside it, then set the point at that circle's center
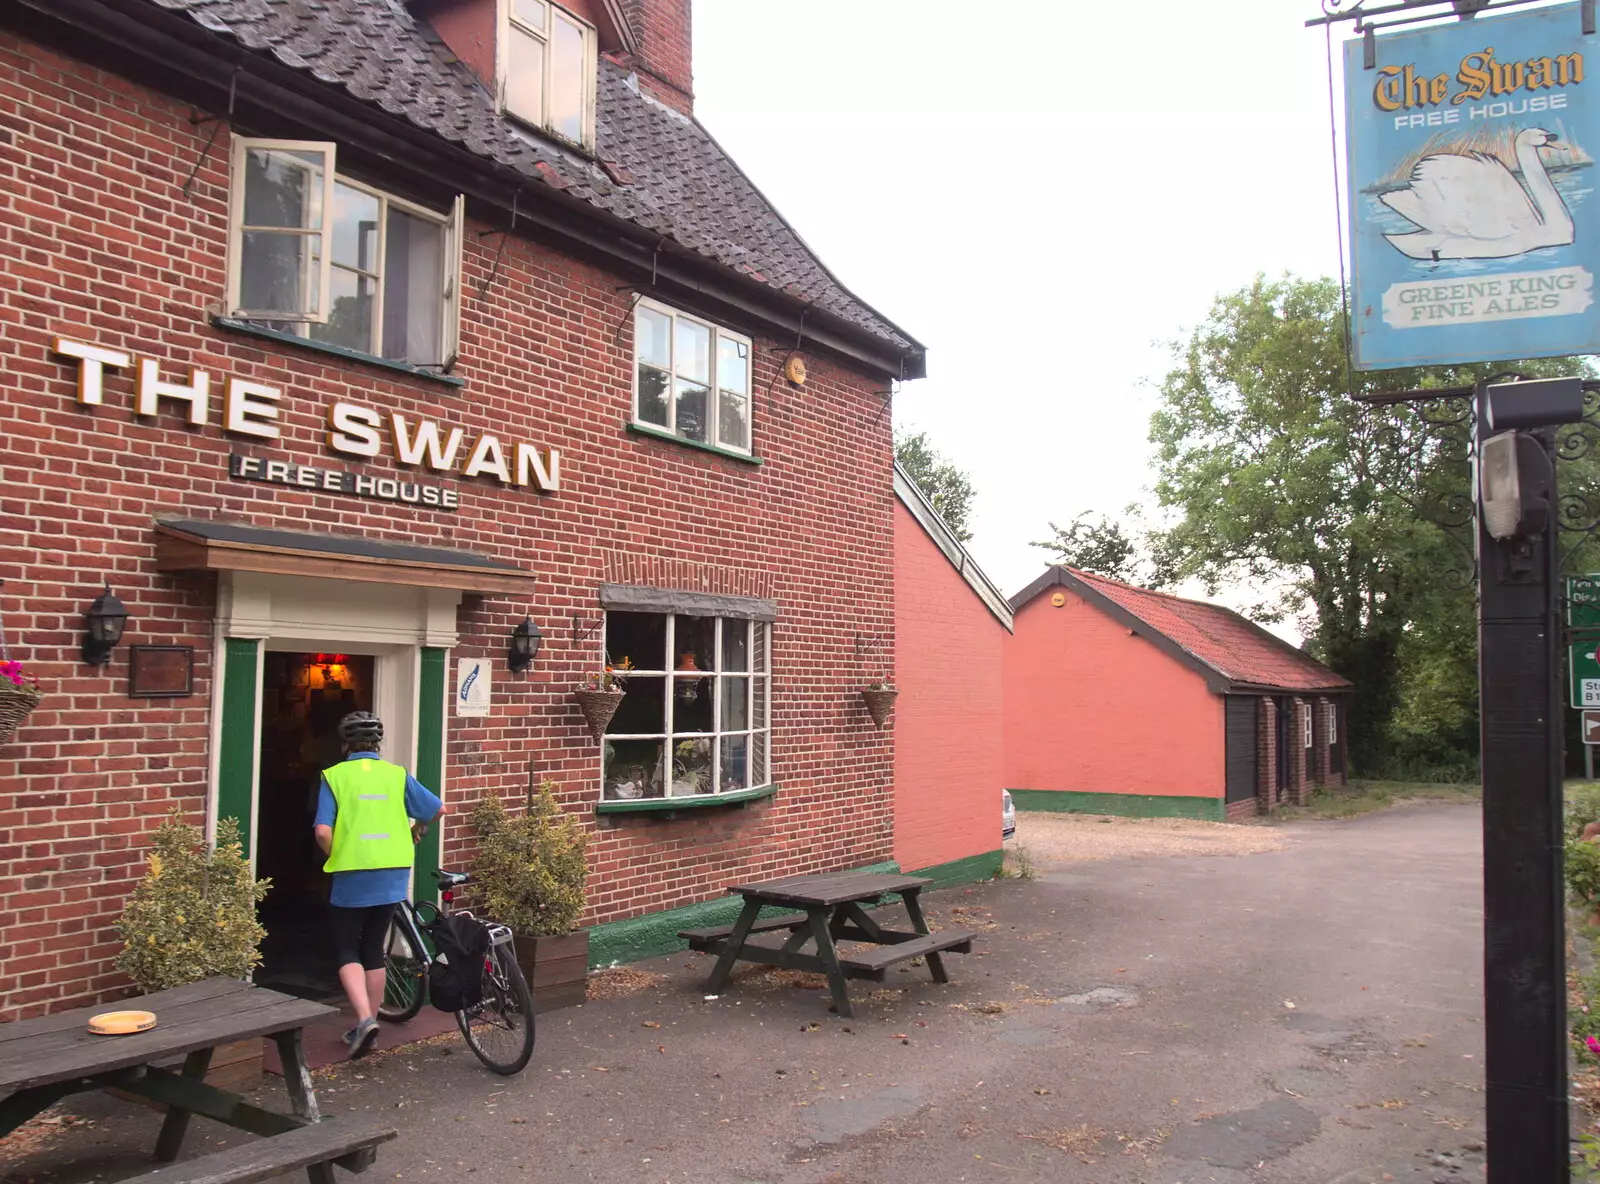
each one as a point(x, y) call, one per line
point(371, 829)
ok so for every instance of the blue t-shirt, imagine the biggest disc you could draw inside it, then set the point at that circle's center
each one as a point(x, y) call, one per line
point(380, 885)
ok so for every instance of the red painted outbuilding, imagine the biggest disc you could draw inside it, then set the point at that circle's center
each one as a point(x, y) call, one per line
point(1123, 700)
point(951, 626)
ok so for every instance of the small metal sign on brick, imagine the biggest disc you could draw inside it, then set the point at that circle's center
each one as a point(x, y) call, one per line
point(472, 687)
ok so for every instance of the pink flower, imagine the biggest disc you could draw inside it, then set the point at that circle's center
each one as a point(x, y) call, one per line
point(1593, 1045)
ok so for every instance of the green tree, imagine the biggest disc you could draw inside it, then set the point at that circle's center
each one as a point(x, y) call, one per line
point(947, 487)
point(1101, 546)
point(1280, 481)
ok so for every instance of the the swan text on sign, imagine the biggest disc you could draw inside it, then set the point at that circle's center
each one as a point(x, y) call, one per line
point(253, 409)
point(1478, 76)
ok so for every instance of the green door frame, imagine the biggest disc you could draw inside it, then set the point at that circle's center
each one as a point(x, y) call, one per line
point(236, 750)
point(430, 761)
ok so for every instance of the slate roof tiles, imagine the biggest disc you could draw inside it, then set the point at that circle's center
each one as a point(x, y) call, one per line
point(680, 184)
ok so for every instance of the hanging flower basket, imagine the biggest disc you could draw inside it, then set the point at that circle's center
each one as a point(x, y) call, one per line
point(599, 706)
point(16, 701)
point(880, 701)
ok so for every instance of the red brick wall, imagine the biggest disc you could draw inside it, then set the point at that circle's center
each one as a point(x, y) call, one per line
point(664, 32)
point(1093, 708)
point(1267, 755)
point(1299, 754)
point(97, 242)
point(948, 770)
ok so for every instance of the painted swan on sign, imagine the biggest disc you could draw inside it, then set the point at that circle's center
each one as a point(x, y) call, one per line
point(1472, 207)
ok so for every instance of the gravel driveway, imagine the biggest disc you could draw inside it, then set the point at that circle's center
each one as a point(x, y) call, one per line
point(1048, 840)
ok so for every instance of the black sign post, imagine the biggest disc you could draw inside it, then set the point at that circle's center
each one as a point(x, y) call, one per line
point(1525, 1006)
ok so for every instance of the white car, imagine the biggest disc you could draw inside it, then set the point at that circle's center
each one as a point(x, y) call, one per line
point(1008, 815)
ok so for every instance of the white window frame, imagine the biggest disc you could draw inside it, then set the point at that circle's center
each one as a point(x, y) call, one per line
point(453, 222)
point(241, 146)
point(1310, 730)
point(1333, 725)
point(713, 396)
point(591, 68)
point(759, 645)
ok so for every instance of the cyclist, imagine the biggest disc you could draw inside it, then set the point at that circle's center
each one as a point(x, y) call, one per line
point(369, 814)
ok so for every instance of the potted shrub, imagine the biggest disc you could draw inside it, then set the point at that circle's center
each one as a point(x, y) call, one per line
point(601, 694)
point(530, 873)
point(193, 917)
point(880, 697)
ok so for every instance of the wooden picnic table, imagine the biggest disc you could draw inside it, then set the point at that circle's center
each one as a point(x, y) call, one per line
point(833, 912)
point(46, 1059)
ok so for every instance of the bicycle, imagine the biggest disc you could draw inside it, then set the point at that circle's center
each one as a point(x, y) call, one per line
point(499, 1028)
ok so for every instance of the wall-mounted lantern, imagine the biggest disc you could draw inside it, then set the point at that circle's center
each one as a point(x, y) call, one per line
point(105, 618)
point(525, 639)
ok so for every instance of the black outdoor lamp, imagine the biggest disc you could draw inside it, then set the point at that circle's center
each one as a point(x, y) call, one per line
point(106, 617)
point(525, 639)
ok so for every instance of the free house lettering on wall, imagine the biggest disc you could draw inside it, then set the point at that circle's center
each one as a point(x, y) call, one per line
point(251, 409)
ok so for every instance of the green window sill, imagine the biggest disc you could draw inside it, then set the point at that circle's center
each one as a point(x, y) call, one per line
point(338, 351)
point(673, 805)
point(644, 429)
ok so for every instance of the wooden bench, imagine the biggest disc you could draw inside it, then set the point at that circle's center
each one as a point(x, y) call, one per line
point(698, 939)
point(349, 1141)
point(874, 960)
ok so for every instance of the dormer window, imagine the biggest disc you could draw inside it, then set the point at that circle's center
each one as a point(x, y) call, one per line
point(548, 74)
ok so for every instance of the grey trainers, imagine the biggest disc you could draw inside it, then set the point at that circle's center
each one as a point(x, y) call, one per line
point(361, 1038)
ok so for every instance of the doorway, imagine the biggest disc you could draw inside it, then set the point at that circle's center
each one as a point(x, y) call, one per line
point(304, 695)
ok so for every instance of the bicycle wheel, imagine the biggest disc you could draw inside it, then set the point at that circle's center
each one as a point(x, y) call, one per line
point(499, 1029)
point(405, 983)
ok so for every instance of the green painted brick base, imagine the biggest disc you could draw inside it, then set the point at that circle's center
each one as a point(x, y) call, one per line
point(1130, 805)
point(636, 938)
point(963, 871)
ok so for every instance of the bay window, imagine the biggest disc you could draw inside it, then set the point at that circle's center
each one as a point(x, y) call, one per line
point(691, 378)
point(338, 262)
point(696, 718)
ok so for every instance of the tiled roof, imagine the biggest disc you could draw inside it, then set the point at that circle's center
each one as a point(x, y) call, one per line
point(679, 182)
point(1219, 638)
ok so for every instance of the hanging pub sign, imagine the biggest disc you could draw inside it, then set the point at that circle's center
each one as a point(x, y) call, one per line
point(1474, 226)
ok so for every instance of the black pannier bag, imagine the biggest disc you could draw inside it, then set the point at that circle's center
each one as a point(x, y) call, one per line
point(455, 979)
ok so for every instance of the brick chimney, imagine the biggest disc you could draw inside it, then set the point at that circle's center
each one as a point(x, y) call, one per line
point(663, 59)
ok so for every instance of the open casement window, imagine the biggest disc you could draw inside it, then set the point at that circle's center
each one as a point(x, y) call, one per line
point(691, 378)
point(280, 232)
point(696, 719)
point(383, 275)
point(547, 69)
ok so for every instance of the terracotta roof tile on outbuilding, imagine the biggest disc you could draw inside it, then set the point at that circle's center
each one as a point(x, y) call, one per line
point(1225, 642)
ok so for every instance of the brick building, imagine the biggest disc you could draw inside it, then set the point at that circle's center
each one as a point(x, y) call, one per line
point(1120, 700)
point(340, 339)
point(950, 628)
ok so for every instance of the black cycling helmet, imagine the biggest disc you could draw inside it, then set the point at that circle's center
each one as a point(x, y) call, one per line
point(361, 729)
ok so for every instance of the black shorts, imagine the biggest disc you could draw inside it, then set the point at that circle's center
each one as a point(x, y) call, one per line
point(358, 934)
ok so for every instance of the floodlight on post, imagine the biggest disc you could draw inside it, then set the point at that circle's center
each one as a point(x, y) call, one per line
point(1516, 480)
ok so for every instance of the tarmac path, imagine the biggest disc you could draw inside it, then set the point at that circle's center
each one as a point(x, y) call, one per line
point(1309, 1015)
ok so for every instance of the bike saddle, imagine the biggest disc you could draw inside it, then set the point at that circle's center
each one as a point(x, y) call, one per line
point(451, 879)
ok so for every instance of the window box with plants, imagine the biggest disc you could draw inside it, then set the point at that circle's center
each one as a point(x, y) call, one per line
point(530, 874)
point(193, 917)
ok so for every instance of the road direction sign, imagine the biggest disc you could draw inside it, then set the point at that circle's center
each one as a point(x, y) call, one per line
point(1583, 616)
point(1591, 727)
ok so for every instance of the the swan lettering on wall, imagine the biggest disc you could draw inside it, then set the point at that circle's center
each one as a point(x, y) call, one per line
point(1473, 207)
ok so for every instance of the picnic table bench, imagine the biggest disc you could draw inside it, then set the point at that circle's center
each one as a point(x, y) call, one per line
point(833, 911)
point(46, 1059)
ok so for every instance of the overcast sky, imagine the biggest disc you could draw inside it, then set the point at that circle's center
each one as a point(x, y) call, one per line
point(1043, 200)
